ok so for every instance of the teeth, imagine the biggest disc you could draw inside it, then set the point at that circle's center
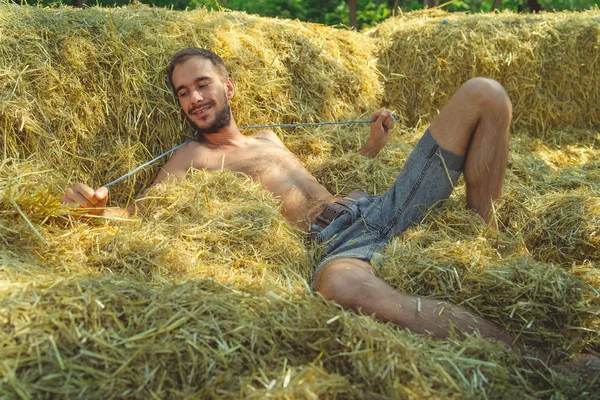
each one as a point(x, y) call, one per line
point(200, 110)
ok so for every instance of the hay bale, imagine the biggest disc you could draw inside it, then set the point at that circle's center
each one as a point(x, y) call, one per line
point(565, 227)
point(206, 293)
point(547, 63)
point(114, 336)
point(452, 258)
point(91, 84)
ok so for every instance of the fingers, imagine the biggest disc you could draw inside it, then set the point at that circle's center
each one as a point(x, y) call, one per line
point(385, 118)
point(73, 198)
point(85, 196)
point(80, 190)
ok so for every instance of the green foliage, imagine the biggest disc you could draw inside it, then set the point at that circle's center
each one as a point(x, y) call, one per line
point(335, 12)
point(521, 5)
point(369, 13)
point(294, 9)
point(330, 12)
point(573, 5)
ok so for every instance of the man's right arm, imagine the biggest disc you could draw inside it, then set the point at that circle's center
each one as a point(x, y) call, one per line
point(84, 196)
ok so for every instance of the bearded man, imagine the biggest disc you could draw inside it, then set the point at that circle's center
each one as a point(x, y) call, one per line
point(470, 135)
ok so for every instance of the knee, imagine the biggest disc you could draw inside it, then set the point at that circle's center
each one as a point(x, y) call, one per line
point(490, 95)
point(339, 283)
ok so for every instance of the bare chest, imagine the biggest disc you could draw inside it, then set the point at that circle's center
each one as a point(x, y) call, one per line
point(277, 169)
point(257, 160)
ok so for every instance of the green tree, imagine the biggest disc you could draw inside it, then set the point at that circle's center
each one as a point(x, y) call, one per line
point(337, 12)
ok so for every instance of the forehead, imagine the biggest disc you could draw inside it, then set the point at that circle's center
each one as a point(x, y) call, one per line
point(192, 69)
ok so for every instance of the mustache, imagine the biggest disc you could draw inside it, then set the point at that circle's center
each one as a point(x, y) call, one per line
point(206, 103)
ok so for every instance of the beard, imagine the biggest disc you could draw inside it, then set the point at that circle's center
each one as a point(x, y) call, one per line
point(222, 119)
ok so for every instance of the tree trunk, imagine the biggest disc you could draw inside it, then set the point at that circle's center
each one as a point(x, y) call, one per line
point(77, 3)
point(496, 4)
point(393, 4)
point(352, 11)
point(430, 3)
point(534, 6)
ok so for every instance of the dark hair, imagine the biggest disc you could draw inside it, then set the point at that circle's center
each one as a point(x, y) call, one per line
point(183, 55)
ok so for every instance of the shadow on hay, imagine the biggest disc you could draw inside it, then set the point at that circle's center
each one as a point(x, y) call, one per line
point(564, 229)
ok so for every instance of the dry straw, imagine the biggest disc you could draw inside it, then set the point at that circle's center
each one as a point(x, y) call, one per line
point(547, 62)
point(96, 86)
point(205, 294)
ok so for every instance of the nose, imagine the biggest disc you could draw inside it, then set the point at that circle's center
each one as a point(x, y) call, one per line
point(196, 96)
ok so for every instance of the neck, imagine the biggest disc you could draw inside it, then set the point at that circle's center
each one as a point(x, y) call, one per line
point(228, 136)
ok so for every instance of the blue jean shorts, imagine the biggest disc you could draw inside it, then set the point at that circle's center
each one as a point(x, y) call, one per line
point(369, 223)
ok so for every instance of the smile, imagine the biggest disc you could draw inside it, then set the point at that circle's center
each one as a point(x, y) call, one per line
point(200, 111)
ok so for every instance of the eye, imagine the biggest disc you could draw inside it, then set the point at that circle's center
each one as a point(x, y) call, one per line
point(183, 93)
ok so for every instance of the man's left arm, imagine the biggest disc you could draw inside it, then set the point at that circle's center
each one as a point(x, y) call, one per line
point(380, 133)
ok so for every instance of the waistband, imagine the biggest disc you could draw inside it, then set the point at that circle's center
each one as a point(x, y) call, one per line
point(334, 210)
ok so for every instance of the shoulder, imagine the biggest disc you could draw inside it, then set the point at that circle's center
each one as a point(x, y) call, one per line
point(191, 153)
point(190, 149)
point(270, 136)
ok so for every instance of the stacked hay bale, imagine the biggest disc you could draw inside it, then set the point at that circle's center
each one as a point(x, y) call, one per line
point(92, 84)
point(547, 62)
point(206, 294)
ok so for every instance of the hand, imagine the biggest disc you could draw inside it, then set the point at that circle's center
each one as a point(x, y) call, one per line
point(86, 197)
point(382, 127)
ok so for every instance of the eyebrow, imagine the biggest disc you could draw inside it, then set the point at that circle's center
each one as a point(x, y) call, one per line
point(199, 79)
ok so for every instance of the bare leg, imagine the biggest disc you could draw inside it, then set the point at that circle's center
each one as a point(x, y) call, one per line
point(352, 283)
point(475, 122)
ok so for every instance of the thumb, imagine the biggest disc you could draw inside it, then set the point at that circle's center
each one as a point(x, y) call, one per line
point(376, 118)
point(101, 195)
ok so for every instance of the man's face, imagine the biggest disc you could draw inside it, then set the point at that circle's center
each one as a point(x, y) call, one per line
point(203, 94)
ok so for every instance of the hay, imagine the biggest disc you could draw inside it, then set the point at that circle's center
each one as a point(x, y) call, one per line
point(565, 228)
point(453, 260)
point(92, 83)
point(547, 62)
point(205, 294)
point(119, 337)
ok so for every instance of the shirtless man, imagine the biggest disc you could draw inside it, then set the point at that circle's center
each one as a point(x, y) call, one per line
point(470, 134)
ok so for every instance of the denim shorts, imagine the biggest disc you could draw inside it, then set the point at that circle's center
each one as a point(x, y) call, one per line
point(369, 223)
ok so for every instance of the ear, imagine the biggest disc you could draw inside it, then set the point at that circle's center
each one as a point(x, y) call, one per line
point(230, 88)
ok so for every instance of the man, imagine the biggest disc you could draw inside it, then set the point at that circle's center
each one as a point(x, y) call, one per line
point(470, 134)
